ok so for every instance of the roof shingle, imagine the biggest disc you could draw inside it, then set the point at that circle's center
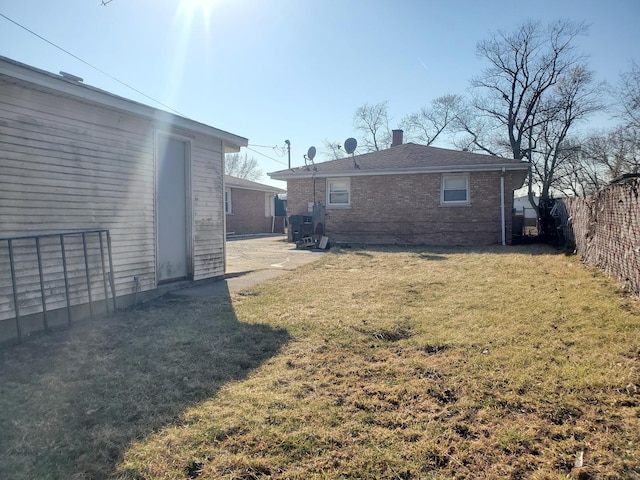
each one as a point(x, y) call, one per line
point(409, 156)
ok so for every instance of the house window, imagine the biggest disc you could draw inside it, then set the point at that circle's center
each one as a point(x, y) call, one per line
point(227, 200)
point(338, 192)
point(455, 190)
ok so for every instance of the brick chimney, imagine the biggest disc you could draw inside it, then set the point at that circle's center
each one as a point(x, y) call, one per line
point(397, 138)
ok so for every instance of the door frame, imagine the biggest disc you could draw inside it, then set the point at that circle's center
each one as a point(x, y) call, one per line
point(158, 134)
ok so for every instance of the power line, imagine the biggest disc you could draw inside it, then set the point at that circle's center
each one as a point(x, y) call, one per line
point(127, 85)
point(280, 151)
point(267, 156)
point(92, 66)
point(263, 146)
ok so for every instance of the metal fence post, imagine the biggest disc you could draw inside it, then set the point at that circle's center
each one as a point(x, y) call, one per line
point(104, 273)
point(16, 307)
point(42, 296)
point(113, 287)
point(66, 278)
point(86, 269)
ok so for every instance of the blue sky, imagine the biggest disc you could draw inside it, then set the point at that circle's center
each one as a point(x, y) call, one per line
point(271, 70)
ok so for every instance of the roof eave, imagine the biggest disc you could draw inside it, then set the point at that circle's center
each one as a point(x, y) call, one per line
point(257, 189)
point(292, 175)
point(86, 93)
point(520, 178)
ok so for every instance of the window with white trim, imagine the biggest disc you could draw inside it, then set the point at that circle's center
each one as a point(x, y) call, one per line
point(227, 200)
point(455, 190)
point(338, 192)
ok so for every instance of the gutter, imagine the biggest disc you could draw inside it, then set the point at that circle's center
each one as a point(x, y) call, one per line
point(286, 175)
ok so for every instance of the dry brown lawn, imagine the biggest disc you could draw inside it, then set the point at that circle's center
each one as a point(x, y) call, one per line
point(390, 363)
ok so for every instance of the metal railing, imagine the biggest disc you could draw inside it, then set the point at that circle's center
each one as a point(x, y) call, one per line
point(86, 235)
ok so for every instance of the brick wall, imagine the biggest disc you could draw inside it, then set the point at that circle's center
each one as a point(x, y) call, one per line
point(405, 209)
point(605, 229)
point(248, 213)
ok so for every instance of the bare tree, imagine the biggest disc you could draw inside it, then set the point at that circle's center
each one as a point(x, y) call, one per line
point(628, 97)
point(528, 100)
point(333, 149)
point(579, 174)
point(523, 67)
point(555, 160)
point(598, 159)
point(372, 121)
point(478, 133)
point(242, 166)
point(430, 122)
point(617, 152)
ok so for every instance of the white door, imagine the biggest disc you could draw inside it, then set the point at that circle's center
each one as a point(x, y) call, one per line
point(172, 209)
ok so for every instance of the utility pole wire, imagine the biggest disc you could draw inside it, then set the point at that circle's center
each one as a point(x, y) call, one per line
point(267, 156)
point(92, 66)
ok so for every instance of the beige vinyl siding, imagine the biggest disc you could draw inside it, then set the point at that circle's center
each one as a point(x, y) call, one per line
point(208, 208)
point(67, 165)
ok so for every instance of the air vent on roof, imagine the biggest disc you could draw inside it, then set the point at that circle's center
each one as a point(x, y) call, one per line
point(73, 78)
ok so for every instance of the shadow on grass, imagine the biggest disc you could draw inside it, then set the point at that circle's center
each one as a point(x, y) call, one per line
point(238, 274)
point(71, 402)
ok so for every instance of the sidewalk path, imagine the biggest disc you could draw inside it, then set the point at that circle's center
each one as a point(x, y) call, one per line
point(252, 260)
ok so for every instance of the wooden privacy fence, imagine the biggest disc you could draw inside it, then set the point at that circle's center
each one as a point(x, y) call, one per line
point(42, 273)
point(605, 230)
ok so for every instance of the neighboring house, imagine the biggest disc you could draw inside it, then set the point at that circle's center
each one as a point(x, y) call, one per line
point(410, 194)
point(74, 157)
point(522, 206)
point(250, 207)
point(525, 215)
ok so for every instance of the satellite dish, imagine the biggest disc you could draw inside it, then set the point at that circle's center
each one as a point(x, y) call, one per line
point(311, 153)
point(350, 145)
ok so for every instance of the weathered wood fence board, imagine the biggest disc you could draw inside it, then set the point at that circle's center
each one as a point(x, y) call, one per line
point(605, 229)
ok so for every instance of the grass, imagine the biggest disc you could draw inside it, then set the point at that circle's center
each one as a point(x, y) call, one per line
point(71, 402)
point(381, 363)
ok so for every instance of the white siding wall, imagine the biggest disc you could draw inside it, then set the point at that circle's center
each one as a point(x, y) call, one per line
point(208, 209)
point(66, 165)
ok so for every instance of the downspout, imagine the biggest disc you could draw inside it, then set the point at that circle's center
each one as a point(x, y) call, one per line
point(502, 216)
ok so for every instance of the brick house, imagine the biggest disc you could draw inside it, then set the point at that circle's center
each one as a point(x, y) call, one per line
point(410, 194)
point(250, 207)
